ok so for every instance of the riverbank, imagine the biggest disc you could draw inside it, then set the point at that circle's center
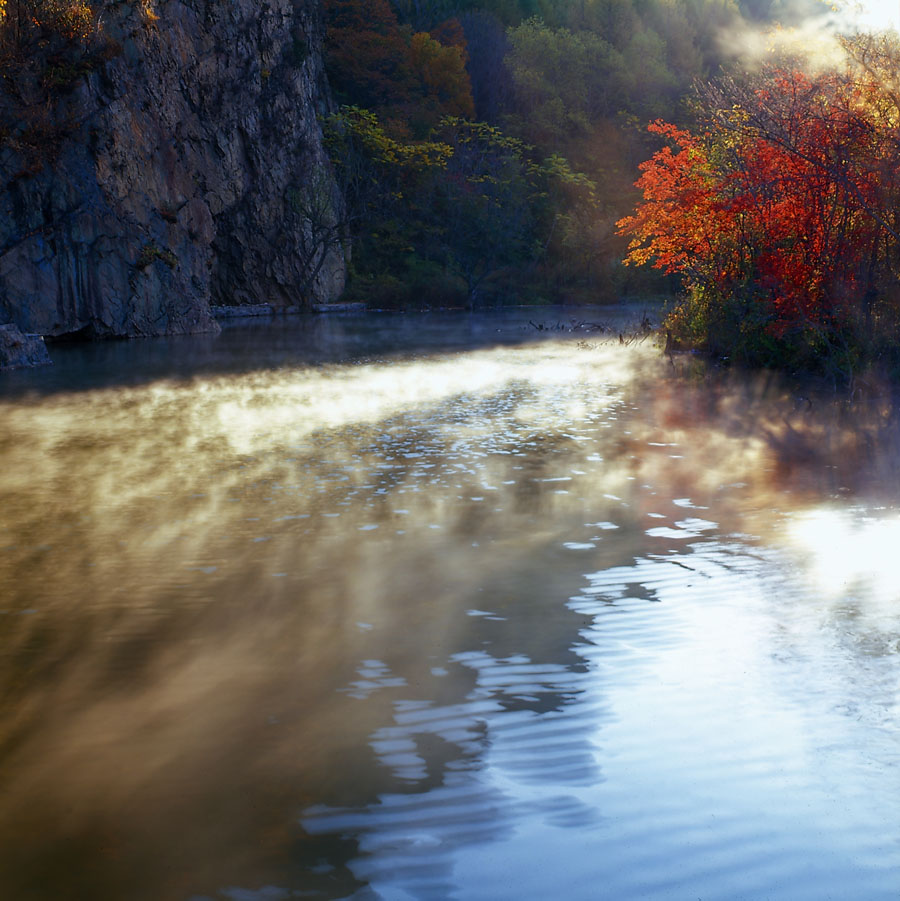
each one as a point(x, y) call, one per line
point(293, 326)
point(265, 310)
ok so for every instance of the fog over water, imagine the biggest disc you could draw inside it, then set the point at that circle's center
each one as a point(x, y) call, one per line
point(444, 606)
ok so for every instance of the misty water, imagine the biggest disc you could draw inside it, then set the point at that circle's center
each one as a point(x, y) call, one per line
point(444, 606)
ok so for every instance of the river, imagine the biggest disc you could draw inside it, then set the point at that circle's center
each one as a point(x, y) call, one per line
point(444, 606)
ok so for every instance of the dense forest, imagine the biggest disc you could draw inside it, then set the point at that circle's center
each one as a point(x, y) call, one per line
point(489, 152)
point(488, 149)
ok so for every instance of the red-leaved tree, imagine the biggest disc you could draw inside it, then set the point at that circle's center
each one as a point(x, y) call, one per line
point(780, 215)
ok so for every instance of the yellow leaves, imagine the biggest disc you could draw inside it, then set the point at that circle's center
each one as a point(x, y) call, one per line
point(443, 72)
point(426, 155)
point(75, 19)
point(362, 126)
point(149, 13)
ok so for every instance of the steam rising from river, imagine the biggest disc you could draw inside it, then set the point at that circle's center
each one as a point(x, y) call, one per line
point(214, 586)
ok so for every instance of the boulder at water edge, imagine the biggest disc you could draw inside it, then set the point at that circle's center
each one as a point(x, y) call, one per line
point(18, 350)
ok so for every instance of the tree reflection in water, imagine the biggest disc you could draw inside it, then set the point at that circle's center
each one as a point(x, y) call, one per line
point(335, 626)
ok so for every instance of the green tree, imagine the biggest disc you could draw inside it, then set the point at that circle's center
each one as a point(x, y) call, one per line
point(564, 81)
point(486, 202)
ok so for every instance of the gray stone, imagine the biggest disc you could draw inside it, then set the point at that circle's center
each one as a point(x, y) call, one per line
point(170, 192)
point(244, 311)
point(18, 350)
point(349, 306)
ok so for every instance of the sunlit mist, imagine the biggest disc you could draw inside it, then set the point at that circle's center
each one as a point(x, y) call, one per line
point(815, 41)
point(375, 625)
point(876, 15)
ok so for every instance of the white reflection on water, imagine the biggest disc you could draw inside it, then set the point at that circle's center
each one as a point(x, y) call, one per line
point(848, 550)
point(249, 412)
point(481, 624)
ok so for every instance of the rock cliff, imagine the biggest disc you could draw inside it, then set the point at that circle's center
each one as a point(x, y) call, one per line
point(179, 163)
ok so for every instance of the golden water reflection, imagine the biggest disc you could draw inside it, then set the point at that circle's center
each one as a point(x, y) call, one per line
point(223, 597)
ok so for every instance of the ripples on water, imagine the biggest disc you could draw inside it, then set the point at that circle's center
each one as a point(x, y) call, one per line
point(534, 621)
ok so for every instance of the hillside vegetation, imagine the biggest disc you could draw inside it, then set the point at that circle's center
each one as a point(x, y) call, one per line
point(488, 149)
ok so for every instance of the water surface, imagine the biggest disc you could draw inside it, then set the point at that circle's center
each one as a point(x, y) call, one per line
point(425, 607)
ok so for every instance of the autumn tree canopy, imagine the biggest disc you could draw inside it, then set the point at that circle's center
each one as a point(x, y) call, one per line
point(573, 82)
point(410, 79)
point(780, 213)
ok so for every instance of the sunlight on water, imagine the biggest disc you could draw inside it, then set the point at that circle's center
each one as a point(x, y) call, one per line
point(478, 624)
point(848, 550)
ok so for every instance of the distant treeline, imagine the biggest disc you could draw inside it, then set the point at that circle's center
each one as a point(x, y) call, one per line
point(488, 149)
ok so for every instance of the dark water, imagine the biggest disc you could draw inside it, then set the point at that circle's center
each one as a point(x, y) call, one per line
point(383, 607)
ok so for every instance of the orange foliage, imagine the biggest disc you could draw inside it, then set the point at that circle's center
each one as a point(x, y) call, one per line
point(783, 202)
point(443, 72)
point(407, 79)
point(676, 227)
point(450, 33)
point(74, 20)
point(368, 59)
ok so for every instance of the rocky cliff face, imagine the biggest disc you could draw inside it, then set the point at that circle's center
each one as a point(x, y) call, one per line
point(186, 169)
